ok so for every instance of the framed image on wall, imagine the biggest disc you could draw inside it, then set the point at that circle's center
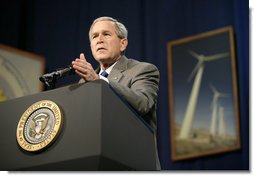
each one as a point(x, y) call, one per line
point(203, 94)
point(19, 73)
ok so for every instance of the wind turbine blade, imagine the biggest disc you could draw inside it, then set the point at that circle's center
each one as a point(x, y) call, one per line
point(195, 55)
point(216, 56)
point(214, 95)
point(223, 95)
point(213, 88)
point(194, 71)
point(213, 103)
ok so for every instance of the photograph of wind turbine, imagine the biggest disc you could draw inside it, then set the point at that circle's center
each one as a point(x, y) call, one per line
point(204, 113)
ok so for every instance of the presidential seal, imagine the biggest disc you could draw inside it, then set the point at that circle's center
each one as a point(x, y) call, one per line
point(39, 126)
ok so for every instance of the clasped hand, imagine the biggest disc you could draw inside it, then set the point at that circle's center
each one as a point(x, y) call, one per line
point(84, 69)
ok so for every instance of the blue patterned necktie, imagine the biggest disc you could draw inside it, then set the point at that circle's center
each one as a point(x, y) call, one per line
point(105, 74)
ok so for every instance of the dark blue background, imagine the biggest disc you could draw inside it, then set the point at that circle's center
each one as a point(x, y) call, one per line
point(58, 30)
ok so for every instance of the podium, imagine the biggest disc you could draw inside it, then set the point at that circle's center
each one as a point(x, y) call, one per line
point(99, 132)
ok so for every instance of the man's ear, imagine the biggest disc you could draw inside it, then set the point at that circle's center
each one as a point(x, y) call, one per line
point(124, 43)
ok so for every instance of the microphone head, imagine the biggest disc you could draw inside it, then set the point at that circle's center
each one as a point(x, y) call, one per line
point(42, 79)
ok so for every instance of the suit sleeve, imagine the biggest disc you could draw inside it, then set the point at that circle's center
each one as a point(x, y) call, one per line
point(142, 89)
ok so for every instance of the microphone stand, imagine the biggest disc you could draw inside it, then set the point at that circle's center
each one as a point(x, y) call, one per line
point(49, 79)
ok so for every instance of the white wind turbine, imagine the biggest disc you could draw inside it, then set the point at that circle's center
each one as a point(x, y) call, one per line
point(198, 70)
point(214, 107)
point(222, 124)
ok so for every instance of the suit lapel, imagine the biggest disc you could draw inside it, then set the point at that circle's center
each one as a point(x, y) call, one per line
point(116, 72)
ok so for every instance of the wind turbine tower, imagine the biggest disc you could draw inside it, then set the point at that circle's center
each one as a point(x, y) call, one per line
point(222, 124)
point(191, 106)
point(214, 107)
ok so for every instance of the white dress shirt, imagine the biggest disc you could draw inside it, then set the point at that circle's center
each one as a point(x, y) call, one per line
point(108, 70)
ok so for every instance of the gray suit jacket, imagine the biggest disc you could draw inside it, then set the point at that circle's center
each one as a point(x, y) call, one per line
point(138, 83)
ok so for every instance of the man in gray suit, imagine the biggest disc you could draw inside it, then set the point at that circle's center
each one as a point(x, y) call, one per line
point(137, 82)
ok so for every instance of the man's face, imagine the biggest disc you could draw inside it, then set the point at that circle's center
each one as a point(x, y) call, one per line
point(106, 46)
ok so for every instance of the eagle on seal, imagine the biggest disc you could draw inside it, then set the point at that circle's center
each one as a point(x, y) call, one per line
point(39, 125)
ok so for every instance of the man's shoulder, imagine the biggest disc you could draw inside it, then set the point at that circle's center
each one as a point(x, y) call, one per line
point(136, 63)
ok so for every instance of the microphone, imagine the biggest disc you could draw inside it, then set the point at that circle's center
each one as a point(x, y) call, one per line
point(49, 77)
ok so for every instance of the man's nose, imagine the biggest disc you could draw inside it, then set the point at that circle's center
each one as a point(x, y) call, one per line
point(100, 38)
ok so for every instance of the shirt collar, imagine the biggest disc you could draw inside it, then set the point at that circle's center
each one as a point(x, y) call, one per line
point(108, 70)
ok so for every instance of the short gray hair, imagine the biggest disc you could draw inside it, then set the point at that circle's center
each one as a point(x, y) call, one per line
point(121, 30)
